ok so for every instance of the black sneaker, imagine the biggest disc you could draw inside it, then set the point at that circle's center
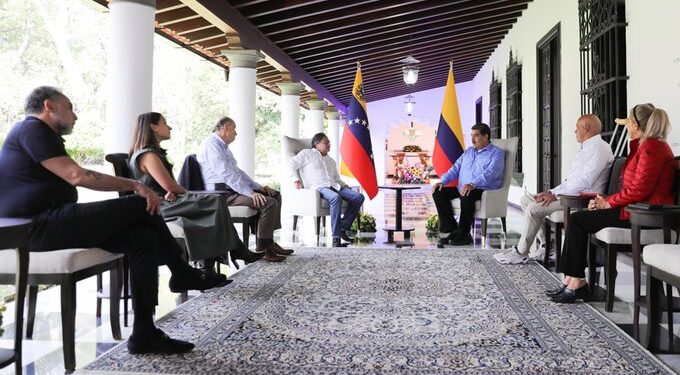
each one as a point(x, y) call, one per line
point(461, 240)
point(345, 237)
point(159, 343)
point(337, 242)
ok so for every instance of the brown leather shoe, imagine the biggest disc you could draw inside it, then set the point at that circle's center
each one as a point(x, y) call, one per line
point(281, 251)
point(270, 255)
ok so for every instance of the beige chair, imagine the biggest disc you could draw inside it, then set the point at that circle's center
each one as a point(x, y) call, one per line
point(494, 203)
point(305, 202)
point(65, 268)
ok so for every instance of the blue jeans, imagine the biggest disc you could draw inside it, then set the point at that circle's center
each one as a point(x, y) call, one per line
point(335, 198)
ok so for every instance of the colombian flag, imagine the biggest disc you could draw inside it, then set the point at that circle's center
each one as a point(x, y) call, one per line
point(355, 147)
point(449, 144)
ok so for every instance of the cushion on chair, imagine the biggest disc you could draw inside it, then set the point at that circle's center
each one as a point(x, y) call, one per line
point(663, 257)
point(58, 261)
point(176, 230)
point(622, 236)
point(456, 204)
point(242, 211)
point(557, 216)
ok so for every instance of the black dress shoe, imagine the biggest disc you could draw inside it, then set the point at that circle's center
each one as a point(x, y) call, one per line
point(198, 280)
point(245, 255)
point(556, 291)
point(159, 343)
point(447, 239)
point(462, 240)
point(571, 296)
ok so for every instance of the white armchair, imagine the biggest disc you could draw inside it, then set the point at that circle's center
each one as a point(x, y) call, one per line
point(302, 202)
point(494, 203)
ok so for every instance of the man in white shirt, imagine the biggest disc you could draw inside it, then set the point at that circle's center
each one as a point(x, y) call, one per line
point(312, 168)
point(220, 172)
point(589, 174)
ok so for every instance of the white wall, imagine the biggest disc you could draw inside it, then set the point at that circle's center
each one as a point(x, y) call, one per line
point(383, 114)
point(653, 58)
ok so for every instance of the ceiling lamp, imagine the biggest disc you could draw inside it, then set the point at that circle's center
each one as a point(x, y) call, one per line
point(410, 70)
point(409, 102)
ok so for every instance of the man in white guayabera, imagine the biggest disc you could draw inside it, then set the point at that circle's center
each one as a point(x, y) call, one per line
point(589, 173)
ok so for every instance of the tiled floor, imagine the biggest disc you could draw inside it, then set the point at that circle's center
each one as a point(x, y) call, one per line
point(43, 354)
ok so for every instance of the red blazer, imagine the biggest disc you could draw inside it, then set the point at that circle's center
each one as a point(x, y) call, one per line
point(648, 176)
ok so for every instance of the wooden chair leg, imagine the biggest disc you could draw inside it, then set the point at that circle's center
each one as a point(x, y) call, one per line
point(653, 311)
point(115, 278)
point(610, 277)
point(32, 300)
point(317, 219)
point(68, 323)
point(126, 289)
point(484, 224)
point(295, 220)
point(323, 224)
point(669, 312)
point(100, 289)
point(558, 244)
point(504, 225)
point(547, 229)
point(246, 232)
point(592, 265)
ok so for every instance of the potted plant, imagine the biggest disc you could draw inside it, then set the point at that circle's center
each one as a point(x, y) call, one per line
point(367, 223)
point(432, 225)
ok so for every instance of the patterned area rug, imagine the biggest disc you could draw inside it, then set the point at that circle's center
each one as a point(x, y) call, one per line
point(326, 311)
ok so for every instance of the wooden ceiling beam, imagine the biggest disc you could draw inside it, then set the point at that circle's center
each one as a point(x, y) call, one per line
point(325, 12)
point(252, 37)
point(198, 36)
point(262, 8)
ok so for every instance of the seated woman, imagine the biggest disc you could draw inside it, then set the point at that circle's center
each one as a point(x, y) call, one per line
point(648, 177)
point(208, 227)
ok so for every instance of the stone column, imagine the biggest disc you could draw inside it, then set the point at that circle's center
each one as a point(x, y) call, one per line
point(315, 120)
point(290, 108)
point(130, 69)
point(241, 96)
point(333, 133)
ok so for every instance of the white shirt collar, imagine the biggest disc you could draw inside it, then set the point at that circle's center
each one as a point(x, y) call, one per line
point(591, 141)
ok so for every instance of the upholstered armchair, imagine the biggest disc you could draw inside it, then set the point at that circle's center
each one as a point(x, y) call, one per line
point(302, 202)
point(494, 203)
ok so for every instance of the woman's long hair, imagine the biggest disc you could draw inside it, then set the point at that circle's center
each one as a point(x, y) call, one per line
point(143, 135)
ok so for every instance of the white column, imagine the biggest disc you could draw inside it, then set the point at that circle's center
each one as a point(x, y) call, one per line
point(241, 96)
point(290, 108)
point(315, 118)
point(130, 69)
point(334, 133)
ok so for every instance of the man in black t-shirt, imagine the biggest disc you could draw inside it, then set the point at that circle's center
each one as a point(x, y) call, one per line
point(38, 180)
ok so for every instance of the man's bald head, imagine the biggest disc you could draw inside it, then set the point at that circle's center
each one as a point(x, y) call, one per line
point(587, 126)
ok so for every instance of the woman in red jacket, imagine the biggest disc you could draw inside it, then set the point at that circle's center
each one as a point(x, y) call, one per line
point(648, 177)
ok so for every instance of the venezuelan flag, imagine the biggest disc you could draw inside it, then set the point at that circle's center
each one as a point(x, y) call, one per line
point(355, 147)
point(448, 144)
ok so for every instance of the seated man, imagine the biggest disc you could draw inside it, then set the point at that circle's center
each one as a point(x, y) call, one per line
point(479, 168)
point(314, 169)
point(38, 180)
point(220, 172)
point(589, 173)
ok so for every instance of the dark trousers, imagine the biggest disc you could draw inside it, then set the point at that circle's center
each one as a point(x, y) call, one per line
point(442, 200)
point(120, 226)
point(574, 258)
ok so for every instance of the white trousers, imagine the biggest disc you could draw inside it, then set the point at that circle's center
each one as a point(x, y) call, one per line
point(534, 214)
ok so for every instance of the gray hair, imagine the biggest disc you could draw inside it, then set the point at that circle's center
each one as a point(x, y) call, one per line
point(35, 101)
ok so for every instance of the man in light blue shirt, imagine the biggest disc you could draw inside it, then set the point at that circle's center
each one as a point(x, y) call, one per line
point(479, 168)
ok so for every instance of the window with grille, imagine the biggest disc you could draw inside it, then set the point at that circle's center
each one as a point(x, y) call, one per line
point(513, 79)
point(602, 31)
point(495, 107)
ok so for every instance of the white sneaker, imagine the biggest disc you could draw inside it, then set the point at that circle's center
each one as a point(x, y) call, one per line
point(538, 254)
point(511, 256)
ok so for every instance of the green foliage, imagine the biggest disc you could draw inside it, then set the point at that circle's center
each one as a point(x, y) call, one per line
point(432, 225)
point(2, 309)
point(86, 155)
point(367, 223)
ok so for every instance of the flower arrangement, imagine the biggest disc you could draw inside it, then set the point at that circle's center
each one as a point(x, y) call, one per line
point(367, 223)
point(412, 148)
point(432, 225)
point(413, 174)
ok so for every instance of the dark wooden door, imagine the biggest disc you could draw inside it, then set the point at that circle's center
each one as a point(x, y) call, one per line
point(549, 127)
